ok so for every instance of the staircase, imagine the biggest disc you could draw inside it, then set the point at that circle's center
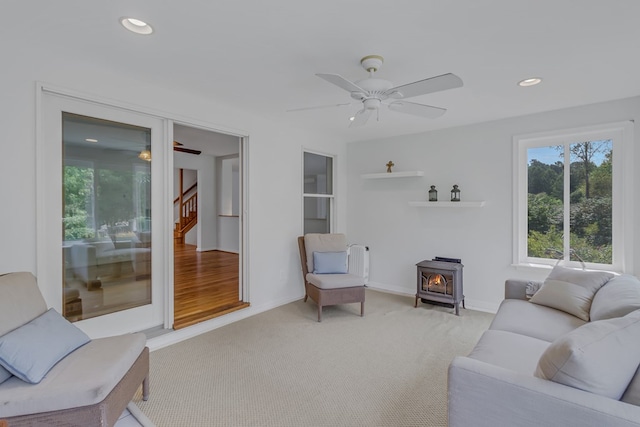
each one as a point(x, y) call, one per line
point(188, 209)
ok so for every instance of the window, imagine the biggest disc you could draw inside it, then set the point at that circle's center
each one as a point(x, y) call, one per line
point(570, 195)
point(317, 193)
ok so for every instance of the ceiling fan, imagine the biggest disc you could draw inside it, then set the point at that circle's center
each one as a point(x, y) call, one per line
point(374, 92)
point(178, 146)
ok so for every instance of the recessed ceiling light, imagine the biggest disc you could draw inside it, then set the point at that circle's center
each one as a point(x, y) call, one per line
point(137, 26)
point(352, 118)
point(530, 82)
point(91, 140)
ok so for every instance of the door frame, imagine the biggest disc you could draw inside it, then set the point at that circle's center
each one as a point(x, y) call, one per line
point(243, 154)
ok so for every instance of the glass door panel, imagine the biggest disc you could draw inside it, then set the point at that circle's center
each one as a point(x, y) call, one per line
point(106, 216)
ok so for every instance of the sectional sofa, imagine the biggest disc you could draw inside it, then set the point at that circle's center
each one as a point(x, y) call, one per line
point(564, 352)
point(92, 259)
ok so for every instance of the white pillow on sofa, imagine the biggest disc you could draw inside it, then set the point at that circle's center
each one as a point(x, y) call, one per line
point(619, 297)
point(632, 393)
point(600, 357)
point(570, 290)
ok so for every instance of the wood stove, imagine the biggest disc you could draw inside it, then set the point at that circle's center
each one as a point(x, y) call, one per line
point(440, 281)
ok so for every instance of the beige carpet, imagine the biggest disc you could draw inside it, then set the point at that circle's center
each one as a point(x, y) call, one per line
point(282, 368)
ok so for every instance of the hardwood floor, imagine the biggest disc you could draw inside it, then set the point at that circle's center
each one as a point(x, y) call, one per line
point(205, 285)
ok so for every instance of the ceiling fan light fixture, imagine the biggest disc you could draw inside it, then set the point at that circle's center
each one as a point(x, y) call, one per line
point(532, 81)
point(372, 103)
point(136, 26)
point(91, 140)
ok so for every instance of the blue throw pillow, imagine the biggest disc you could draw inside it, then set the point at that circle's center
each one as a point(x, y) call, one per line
point(4, 374)
point(330, 263)
point(31, 350)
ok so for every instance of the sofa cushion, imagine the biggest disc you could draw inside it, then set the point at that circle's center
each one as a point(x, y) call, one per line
point(632, 393)
point(334, 281)
point(20, 300)
point(330, 263)
point(85, 377)
point(317, 242)
point(600, 357)
point(31, 350)
point(571, 290)
point(536, 321)
point(4, 374)
point(508, 350)
point(619, 297)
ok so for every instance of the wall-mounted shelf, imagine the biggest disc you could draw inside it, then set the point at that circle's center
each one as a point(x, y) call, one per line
point(386, 175)
point(447, 204)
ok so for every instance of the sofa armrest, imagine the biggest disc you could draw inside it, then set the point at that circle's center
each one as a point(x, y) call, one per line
point(517, 289)
point(484, 395)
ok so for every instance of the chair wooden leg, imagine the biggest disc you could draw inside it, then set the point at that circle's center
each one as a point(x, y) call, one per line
point(362, 309)
point(319, 313)
point(145, 389)
point(305, 297)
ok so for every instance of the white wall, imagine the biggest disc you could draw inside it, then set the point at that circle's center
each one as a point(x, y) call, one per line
point(228, 221)
point(479, 159)
point(275, 217)
point(204, 235)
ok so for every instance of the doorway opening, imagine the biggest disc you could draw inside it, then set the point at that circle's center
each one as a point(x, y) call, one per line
point(207, 225)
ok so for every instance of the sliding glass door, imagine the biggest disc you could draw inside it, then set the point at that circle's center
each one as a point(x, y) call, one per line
point(101, 215)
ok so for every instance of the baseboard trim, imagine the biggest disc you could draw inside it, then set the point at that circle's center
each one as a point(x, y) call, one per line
point(471, 304)
point(383, 287)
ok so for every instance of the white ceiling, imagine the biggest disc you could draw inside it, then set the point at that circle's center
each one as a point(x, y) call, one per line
point(261, 56)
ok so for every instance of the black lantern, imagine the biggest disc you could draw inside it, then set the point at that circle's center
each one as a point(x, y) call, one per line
point(455, 194)
point(433, 194)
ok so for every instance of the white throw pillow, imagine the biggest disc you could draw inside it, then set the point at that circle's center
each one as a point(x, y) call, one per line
point(599, 357)
point(571, 290)
point(632, 393)
point(619, 297)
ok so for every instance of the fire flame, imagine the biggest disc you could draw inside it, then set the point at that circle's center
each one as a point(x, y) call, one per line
point(436, 280)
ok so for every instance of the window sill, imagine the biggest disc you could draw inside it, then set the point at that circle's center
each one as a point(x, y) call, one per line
point(547, 267)
point(530, 266)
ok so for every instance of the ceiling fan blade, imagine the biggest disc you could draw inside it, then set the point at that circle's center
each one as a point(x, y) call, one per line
point(422, 87)
point(186, 150)
point(419, 110)
point(361, 118)
point(340, 81)
point(317, 107)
